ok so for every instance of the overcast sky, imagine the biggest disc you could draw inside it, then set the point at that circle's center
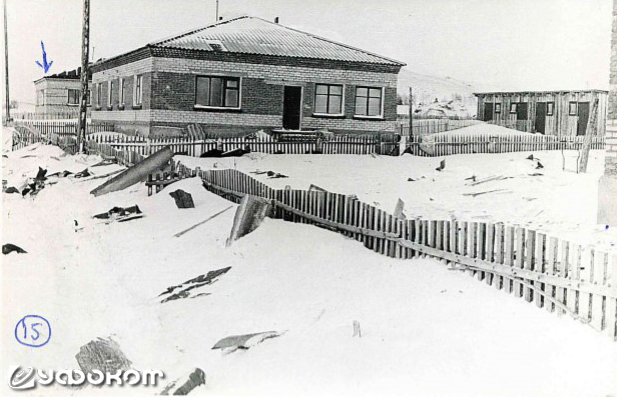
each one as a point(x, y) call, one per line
point(512, 44)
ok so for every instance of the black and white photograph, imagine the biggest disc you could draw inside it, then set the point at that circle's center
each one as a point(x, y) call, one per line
point(267, 198)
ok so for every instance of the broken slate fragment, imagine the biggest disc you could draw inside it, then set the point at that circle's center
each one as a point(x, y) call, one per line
point(103, 355)
point(233, 343)
point(8, 248)
point(442, 165)
point(11, 189)
point(183, 199)
point(184, 385)
point(197, 282)
point(118, 213)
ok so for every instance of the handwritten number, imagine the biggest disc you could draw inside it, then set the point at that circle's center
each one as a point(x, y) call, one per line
point(25, 329)
point(34, 329)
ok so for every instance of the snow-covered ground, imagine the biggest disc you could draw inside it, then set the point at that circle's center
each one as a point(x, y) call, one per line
point(426, 330)
point(560, 203)
point(484, 129)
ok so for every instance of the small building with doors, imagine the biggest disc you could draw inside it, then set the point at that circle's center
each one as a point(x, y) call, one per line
point(563, 113)
point(58, 93)
point(243, 75)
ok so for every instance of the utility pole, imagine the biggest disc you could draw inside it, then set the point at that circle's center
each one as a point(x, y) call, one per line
point(6, 65)
point(217, 11)
point(410, 112)
point(83, 107)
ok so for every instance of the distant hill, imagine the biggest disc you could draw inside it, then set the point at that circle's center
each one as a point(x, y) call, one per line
point(437, 96)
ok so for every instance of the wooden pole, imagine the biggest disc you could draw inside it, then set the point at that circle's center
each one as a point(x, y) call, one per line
point(6, 66)
point(410, 112)
point(217, 11)
point(85, 48)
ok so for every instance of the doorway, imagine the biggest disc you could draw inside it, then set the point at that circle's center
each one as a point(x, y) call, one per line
point(541, 110)
point(488, 111)
point(292, 107)
point(583, 118)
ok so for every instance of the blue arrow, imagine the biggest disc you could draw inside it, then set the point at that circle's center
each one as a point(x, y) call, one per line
point(45, 65)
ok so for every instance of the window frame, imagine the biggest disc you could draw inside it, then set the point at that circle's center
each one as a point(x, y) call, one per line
point(110, 90)
point(514, 108)
point(550, 108)
point(68, 97)
point(497, 107)
point(138, 90)
point(342, 110)
point(99, 94)
point(121, 92)
point(570, 107)
point(381, 103)
point(224, 79)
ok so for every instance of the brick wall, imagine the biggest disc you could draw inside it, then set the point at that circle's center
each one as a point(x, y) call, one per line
point(55, 93)
point(169, 91)
point(611, 128)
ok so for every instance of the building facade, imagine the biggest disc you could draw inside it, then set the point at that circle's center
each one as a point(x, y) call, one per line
point(546, 112)
point(607, 189)
point(59, 93)
point(244, 75)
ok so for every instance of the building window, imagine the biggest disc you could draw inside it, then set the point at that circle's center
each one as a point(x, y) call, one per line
point(73, 97)
point(513, 108)
point(573, 108)
point(121, 92)
point(369, 101)
point(498, 108)
point(99, 94)
point(217, 92)
point(550, 108)
point(328, 99)
point(110, 90)
point(137, 90)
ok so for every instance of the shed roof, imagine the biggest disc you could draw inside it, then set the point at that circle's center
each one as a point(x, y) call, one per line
point(506, 93)
point(252, 35)
point(66, 75)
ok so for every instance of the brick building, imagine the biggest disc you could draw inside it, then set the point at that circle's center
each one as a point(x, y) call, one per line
point(58, 93)
point(607, 189)
point(243, 75)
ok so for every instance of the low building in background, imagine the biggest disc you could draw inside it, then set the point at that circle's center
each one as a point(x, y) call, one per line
point(244, 75)
point(563, 113)
point(59, 94)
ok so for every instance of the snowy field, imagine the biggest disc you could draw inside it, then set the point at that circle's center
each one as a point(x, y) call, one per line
point(557, 202)
point(426, 331)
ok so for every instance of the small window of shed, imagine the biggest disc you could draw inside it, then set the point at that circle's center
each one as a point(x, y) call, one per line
point(573, 108)
point(550, 108)
point(513, 108)
point(498, 108)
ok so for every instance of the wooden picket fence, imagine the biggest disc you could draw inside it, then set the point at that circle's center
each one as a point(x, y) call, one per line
point(558, 276)
point(448, 144)
point(192, 146)
point(64, 128)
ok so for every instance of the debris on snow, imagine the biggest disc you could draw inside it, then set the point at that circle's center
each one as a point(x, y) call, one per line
point(485, 192)
point(442, 165)
point(233, 343)
point(182, 199)
point(249, 215)
point(8, 248)
point(103, 355)
point(399, 210)
point(272, 175)
point(357, 331)
point(184, 385)
point(197, 282)
point(120, 214)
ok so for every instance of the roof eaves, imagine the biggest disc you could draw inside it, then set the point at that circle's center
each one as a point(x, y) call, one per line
point(195, 30)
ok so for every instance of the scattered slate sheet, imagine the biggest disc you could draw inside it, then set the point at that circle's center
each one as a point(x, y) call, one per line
point(120, 214)
point(184, 289)
point(442, 165)
point(102, 354)
point(8, 248)
point(183, 199)
point(233, 343)
point(184, 385)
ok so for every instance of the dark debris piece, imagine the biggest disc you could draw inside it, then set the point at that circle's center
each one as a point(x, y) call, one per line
point(197, 282)
point(118, 211)
point(8, 248)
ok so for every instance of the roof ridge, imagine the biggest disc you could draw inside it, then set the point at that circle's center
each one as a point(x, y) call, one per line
point(195, 30)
